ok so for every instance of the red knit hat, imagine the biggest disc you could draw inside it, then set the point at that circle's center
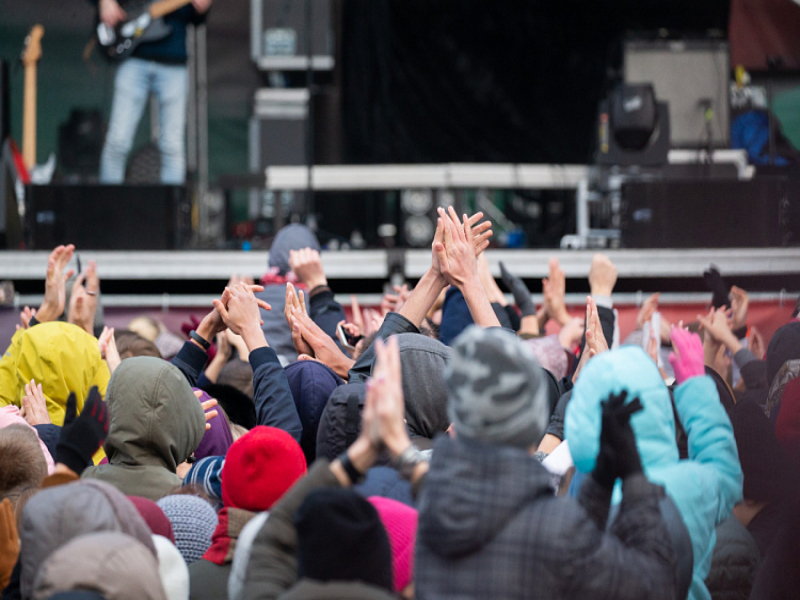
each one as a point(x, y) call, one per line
point(259, 467)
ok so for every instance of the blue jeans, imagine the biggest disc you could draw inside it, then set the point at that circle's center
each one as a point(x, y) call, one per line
point(134, 81)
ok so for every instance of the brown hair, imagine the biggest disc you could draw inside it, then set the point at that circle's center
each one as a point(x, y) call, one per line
point(238, 374)
point(24, 465)
point(130, 344)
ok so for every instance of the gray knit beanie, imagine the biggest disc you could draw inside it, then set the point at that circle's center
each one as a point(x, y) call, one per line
point(193, 521)
point(496, 389)
point(291, 237)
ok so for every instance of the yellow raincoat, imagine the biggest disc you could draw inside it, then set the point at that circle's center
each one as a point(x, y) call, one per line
point(60, 356)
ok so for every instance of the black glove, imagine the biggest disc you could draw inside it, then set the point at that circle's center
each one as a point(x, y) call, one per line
point(716, 284)
point(618, 456)
point(82, 436)
point(522, 296)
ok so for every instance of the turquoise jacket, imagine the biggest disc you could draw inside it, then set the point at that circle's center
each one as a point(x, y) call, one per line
point(705, 487)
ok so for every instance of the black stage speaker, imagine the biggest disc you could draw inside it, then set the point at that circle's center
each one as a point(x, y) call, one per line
point(709, 214)
point(106, 217)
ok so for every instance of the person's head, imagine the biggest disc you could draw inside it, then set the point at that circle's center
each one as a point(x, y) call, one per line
point(626, 369)
point(146, 327)
point(155, 518)
point(112, 563)
point(260, 467)
point(796, 311)
point(218, 438)
point(311, 383)
point(63, 358)
point(291, 237)
point(10, 415)
point(760, 455)
point(23, 465)
point(238, 406)
point(57, 515)
point(400, 522)
point(423, 361)
point(496, 388)
point(172, 569)
point(193, 521)
point(784, 346)
point(130, 344)
point(156, 419)
point(207, 473)
point(340, 537)
point(237, 374)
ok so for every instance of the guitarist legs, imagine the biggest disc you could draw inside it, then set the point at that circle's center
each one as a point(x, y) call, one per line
point(171, 82)
point(135, 80)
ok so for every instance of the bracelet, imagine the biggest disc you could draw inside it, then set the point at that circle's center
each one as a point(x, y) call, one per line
point(200, 340)
point(353, 474)
point(408, 461)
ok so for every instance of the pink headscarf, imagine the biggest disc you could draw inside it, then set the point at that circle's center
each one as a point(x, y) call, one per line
point(9, 415)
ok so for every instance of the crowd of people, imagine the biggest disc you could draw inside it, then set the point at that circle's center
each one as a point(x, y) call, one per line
point(442, 446)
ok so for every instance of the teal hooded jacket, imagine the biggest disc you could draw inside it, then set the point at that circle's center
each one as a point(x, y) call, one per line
point(707, 485)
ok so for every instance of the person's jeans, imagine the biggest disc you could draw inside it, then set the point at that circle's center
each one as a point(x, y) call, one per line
point(134, 81)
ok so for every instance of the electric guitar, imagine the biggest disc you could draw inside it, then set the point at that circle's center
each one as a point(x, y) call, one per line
point(144, 23)
point(30, 58)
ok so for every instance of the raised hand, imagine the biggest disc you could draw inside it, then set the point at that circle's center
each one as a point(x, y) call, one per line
point(717, 325)
point(385, 394)
point(82, 436)
point(34, 405)
point(83, 300)
point(208, 406)
point(307, 265)
point(239, 310)
point(649, 307)
point(687, 356)
point(481, 234)
point(571, 333)
point(595, 338)
point(618, 457)
point(325, 349)
point(25, 317)
point(393, 302)
point(457, 261)
point(292, 302)
point(554, 290)
point(602, 275)
point(9, 542)
point(521, 293)
point(740, 302)
point(55, 292)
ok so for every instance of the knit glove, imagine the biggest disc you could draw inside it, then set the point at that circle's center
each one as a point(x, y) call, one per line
point(522, 296)
point(9, 542)
point(618, 456)
point(82, 436)
point(687, 360)
point(716, 284)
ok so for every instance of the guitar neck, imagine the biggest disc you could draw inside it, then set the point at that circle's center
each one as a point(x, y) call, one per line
point(29, 117)
point(164, 7)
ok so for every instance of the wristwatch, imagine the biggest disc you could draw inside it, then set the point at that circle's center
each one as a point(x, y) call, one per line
point(408, 461)
point(353, 474)
point(200, 340)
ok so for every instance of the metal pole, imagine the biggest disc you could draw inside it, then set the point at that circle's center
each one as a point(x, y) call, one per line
point(202, 127)
point(309, 203)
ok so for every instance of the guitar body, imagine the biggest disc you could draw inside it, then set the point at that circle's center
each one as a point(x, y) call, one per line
point(119, 42)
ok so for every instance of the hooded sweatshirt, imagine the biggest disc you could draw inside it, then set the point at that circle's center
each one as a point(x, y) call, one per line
point(60, 356)
point(705, 487)
point(156, 424)
point(114, 564)
point(57, 515)
point(490, 527)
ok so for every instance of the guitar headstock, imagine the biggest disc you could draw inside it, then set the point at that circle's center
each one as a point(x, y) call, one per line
point(33, 46)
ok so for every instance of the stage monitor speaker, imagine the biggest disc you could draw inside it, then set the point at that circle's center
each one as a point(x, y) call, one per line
point(691, 76)
point(278, 36)
point(104, 217)
point(709, 214)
